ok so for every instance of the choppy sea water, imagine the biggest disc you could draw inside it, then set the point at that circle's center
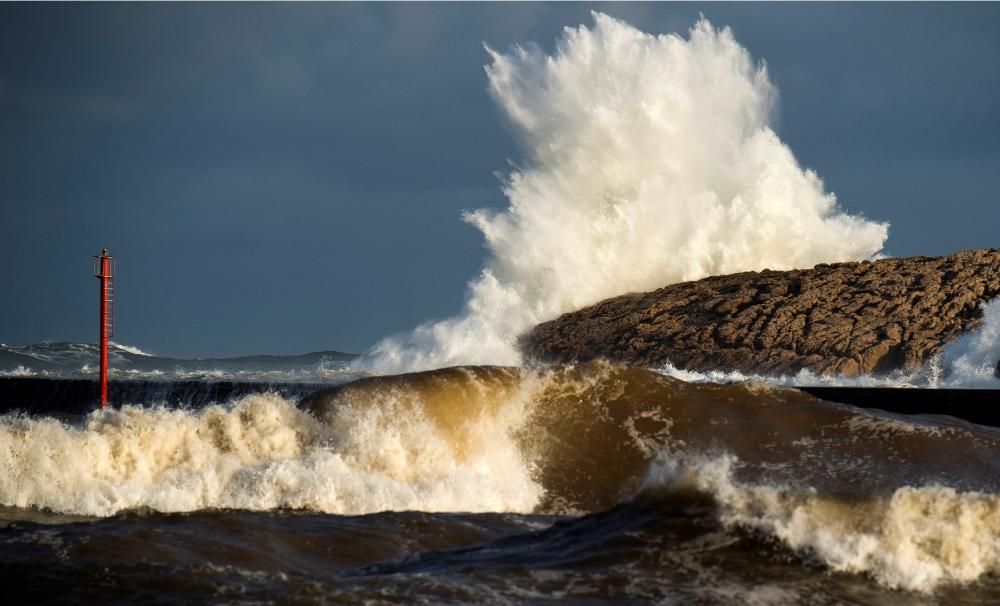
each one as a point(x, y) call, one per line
point(67, 360)
point(596, 483)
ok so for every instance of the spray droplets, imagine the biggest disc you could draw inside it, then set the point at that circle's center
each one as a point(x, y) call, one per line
point(648, 160)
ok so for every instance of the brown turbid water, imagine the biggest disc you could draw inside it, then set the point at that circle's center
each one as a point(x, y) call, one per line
point(597, 483)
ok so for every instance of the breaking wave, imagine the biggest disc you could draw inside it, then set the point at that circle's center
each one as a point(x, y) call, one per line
point(135, 351)
point(258, 453)
point(914, 538)
point(911, 502)
point(648, 160)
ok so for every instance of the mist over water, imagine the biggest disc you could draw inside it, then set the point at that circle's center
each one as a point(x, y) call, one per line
point(647, 160)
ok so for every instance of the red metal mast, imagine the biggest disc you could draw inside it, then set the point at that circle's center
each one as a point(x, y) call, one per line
point(104, 271)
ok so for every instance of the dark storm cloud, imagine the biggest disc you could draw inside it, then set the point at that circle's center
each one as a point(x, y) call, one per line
point(288, 177)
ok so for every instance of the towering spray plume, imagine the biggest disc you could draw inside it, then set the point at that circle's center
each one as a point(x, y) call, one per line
point(648, 160)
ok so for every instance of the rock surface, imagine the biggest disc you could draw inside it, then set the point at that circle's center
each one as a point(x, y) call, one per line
point(844, 318)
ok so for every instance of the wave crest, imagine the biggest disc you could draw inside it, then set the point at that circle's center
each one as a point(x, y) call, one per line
point(910, 501)
point(914, 538)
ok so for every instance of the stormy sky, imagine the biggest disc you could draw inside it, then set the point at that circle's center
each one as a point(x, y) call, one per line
point(283, 178)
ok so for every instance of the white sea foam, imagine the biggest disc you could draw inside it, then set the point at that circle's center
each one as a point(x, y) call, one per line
point(261, 453)
point(21, 371)
point(915, 538)
point(396, 448)
point(130, 349)
point(648, 160)
point(929, 376)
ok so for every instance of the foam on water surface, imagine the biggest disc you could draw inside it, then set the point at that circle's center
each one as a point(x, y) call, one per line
point(913, 505)
point(913, 537)
point(258, 453)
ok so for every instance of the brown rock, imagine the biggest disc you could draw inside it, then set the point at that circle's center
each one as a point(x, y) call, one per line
point(845, 318)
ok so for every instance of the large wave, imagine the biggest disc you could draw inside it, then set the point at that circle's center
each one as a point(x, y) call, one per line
point(647, 160)
point(913, 502)
point(258, 453)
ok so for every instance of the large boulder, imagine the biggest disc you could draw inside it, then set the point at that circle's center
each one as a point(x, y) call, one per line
point(844, 318)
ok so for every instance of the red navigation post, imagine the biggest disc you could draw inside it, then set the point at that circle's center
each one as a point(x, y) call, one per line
point(104, 271)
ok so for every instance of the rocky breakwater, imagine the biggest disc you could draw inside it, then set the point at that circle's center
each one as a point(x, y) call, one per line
point(843, 318)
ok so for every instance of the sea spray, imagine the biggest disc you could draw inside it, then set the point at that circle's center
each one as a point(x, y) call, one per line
point(647, 160)
point(971, 361)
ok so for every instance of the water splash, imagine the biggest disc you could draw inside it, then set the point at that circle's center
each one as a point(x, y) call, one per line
point(972, 360)
point(648, 160)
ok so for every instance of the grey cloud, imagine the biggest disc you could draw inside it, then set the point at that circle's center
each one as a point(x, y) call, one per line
point(214, 145)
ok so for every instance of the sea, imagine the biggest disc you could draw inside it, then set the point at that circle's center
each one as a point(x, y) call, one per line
point(594, 483)
point(440, 467)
